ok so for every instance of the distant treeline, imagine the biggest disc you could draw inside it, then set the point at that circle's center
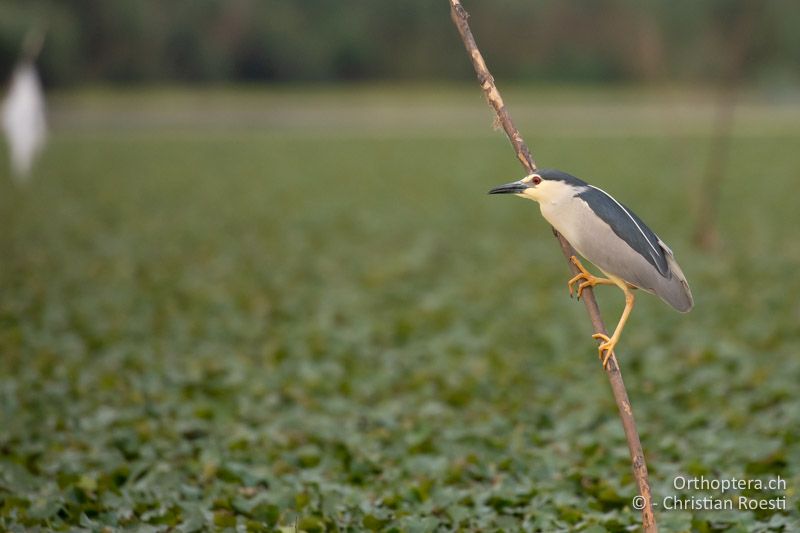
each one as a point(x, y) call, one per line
point(321, 40)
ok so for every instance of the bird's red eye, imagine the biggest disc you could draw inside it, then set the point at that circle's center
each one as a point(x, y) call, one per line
point(536, 180)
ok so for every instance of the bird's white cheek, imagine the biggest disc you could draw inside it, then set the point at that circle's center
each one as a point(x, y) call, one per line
point(530, 194)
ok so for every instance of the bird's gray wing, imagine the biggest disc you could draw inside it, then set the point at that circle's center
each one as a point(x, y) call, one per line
point(644, 260)
point(627, 226)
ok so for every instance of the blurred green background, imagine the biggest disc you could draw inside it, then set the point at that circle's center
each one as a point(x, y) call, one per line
point(255, 283)
point(142, 41)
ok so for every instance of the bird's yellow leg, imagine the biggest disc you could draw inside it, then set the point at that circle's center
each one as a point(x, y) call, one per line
point(606, 348)
point(588, 279)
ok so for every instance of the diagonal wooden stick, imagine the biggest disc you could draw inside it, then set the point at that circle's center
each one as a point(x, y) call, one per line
point(460, 16)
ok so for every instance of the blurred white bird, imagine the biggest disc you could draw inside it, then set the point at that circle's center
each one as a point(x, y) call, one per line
point(23, 116)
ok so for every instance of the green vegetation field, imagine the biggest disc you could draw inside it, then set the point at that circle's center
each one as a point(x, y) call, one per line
point(235, 309)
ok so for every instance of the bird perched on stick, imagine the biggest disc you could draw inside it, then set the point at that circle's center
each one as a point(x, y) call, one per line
point(611, 236)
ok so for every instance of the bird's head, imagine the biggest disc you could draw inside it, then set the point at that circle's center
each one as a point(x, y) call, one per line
point(543, 185)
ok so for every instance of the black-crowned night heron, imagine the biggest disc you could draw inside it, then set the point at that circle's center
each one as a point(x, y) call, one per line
point(609, 235)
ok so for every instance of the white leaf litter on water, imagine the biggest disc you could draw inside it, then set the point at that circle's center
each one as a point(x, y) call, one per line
point(23, 117)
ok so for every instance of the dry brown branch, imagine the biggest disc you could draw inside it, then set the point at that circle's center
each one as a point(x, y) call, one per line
point(486, 81)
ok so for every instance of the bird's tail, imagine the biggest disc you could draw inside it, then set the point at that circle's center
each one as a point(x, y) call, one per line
point(675, 289)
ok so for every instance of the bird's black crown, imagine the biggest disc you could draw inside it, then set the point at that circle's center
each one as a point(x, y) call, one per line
point(558, 175)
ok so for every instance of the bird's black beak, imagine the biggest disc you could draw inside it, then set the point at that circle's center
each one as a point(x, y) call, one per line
point(510, 188)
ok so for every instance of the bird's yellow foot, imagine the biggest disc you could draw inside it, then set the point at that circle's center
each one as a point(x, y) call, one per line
point(606, 348)
point(587, 279)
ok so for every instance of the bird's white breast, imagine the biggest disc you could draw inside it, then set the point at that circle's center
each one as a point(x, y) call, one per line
point(564, 211)
point(570, 216)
